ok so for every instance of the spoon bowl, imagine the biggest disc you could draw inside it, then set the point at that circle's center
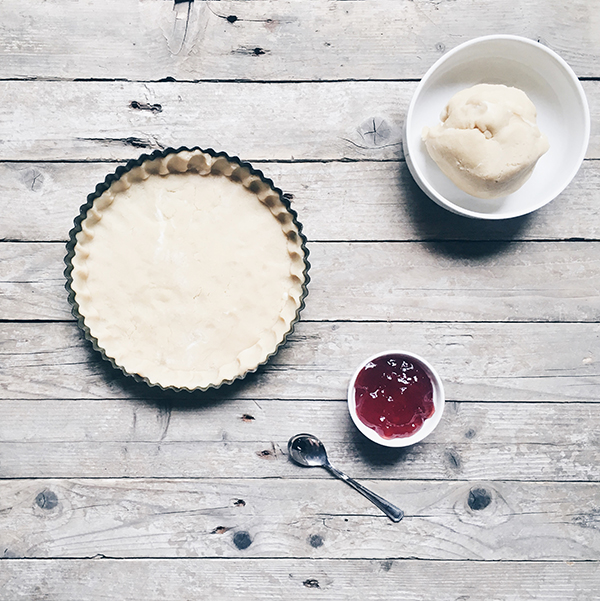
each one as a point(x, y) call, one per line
point(307, 450)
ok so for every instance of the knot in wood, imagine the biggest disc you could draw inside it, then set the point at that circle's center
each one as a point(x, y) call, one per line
point(242, 540)
point(479, 498)
point(374, 132)
point(46, 499)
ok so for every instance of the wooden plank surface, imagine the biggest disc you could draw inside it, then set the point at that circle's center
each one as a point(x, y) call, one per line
point(278, 121)
point(326, 519)
point(259, 421)
point(431, 461)
point(477, 361)
point(444, 281)
point(193, 495)
point(286, 40)
point(338, 580)
point(336, 201)
point(236, 440)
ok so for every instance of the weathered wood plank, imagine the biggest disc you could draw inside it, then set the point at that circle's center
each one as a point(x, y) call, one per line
point(325, 519)
point(339, 580)
point(380, 201)
point(477, 361)
point(455, 281)
point(263, 460)
point(255, 121)
point(239, 420)
point(443, 281)
point(292, 40)
point(238, 439)
point(335, 201)
point(273, 121)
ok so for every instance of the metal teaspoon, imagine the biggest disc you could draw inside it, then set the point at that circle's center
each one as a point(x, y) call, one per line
point(307, 450)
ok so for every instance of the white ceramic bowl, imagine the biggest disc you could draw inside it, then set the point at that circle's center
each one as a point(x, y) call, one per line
point(429, 424)
point(553, 87)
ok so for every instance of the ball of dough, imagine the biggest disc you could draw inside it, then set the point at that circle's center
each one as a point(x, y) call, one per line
point(488, 142)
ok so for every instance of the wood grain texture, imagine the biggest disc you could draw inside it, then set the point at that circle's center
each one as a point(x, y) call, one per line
point(443, 281)
point(194, 493)
point(286, 40)
point(478, 361)
point(430, 461)
point(248, 439)
point(338, 580)
point(274, 121)
point(326, 519)
point(336, 201)
point(184, 419)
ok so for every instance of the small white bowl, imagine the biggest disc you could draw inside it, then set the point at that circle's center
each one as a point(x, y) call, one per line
point(552, 86)
point(429, 424)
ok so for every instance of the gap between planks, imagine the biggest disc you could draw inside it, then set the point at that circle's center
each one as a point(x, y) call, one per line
point(101, 556)
point(291, 479)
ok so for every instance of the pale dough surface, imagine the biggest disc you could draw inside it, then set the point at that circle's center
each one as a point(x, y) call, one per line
point(188, 279)
point(488, 142)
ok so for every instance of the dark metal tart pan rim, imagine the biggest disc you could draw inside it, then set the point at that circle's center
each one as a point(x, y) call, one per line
point(103, 186)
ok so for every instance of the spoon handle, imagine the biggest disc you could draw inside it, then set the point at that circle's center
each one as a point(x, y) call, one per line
point(390, 510)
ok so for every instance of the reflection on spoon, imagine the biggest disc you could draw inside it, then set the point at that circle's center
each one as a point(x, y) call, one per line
point(308, 450)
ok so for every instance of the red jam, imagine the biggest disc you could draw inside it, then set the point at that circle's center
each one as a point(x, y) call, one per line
point(394, 396)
